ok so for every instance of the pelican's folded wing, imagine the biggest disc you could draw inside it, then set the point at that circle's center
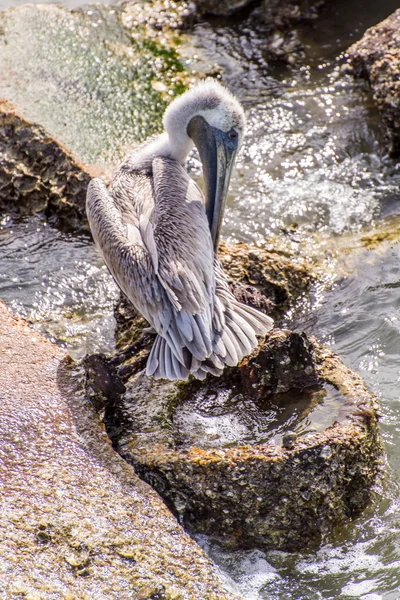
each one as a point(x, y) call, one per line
point(185, 252)
point(119, 239)
point(156, 272)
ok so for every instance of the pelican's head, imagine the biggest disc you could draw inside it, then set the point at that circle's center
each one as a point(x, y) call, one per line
point(212, 119)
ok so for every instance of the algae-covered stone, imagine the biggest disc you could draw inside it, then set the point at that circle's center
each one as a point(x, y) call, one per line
point(86, 78)
point(376, 58)
point(76, 521)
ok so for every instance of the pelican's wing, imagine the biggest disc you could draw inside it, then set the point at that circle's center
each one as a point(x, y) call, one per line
point(182, 236)
point(117, 235)
point(185, 255)
point(187, 258)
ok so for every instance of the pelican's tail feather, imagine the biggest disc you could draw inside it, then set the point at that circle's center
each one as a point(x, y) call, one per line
point(248, 318)
point(238, 337)
point(235, 327)
point(163, 364)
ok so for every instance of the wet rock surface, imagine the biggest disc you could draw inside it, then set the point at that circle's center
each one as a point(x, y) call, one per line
point(285, 361)
point(252, 41)
point(37, 174)
point(271, 9)
point(376, 59)
point(76, 521)
point(224, 7)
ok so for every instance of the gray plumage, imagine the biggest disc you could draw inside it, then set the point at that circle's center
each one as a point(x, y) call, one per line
point(151, 228)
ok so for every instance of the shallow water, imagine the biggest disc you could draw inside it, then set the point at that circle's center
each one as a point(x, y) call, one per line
point(314, 156)
point(233, 419)
point(57, 281)
point(65, 3)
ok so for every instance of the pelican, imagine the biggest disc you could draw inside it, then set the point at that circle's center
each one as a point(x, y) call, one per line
point(159, 237)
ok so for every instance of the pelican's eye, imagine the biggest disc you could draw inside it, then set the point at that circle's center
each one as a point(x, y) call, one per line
point(233, 135)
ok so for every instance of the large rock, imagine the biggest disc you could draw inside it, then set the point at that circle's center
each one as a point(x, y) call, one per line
point(247, 479)
point(283, 491)
point(37, 174)
point(376, 58)
point(76, 521)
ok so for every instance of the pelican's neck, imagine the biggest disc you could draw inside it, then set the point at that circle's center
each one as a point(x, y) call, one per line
point(163, 145)
point(176, 147)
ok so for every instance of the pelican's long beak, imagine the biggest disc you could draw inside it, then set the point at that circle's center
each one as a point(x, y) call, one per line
point(217, 153)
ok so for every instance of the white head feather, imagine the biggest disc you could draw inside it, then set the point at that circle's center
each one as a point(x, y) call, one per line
point(208, 99)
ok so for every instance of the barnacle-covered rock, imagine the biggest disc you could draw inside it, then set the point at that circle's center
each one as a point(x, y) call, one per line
point(275, 453)
point(37, 174)
point(76, 521)
point(376, 58)
point(247, 457)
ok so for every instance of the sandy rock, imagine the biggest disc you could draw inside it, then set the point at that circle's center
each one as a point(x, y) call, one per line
point(76, 521)
point(376, 58)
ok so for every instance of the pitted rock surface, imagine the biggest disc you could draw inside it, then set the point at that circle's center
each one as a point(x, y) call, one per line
point(76, 521)
point(289, 496)
point(376, 58)
point(285, 361)
point(37, 174)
